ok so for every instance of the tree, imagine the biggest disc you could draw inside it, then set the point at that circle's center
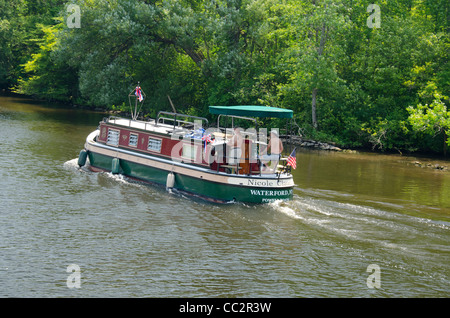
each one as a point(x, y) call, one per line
point(46, 76)
point(432, 119)
point(19, 35)
point(319, 48)
point(10, 15)
point(346, 81)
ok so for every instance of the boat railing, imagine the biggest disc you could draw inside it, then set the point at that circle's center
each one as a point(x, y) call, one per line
point(132, 123)
point(180, 120)
point(232, 120)
point(279, 167)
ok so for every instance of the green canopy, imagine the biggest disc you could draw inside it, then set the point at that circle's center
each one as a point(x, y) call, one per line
point(252, 111)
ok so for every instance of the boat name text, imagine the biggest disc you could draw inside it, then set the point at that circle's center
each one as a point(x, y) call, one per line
point(271, 193)
point(267, 183)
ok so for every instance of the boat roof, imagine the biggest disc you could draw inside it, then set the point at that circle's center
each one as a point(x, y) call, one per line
point(252, 111)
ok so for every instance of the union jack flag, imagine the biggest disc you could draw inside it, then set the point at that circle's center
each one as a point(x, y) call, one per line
point(138, 93)
point(292, 159)
point(206, 139)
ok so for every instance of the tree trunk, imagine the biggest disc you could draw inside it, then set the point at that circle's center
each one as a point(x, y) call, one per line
point(313, 108)
point(196, 56)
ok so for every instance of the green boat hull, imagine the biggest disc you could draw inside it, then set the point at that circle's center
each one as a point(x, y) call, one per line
point(199, 187)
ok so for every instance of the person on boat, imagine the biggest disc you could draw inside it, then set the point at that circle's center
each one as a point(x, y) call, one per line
point(273, 151)
point(235, 146)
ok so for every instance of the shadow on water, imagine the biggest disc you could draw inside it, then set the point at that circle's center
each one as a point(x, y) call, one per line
point(26, 109)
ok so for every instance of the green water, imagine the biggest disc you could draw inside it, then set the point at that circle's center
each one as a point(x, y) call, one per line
point(134, 240)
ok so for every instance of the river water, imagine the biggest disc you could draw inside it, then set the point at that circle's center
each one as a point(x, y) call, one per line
point(360, 225)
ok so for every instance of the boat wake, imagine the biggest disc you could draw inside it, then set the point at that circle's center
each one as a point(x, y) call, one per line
point(120, 178)
point(386, 235)
point(286, 208)
point(361, 223)
point(73, 165)
point(70, 164)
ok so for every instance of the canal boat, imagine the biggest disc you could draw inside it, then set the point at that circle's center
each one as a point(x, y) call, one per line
point(187, 155)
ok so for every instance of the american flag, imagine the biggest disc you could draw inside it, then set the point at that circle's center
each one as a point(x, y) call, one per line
point(292, 160)
point(138, 93)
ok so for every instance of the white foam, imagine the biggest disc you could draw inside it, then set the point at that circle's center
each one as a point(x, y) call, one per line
point(118, 177)
point(282, 207)
point(73, 163)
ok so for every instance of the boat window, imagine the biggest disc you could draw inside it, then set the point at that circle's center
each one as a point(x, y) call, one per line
point(154, 144)
point(113, 137)
point(133, 140)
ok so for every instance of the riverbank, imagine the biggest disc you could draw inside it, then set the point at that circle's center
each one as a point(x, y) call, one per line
point(298, 141)
point(419, 160)
point(312, 144)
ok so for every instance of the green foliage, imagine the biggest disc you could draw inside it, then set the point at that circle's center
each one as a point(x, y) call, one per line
point(20, 35)
point(431, 119)
point(47, 77)
point(346, 82)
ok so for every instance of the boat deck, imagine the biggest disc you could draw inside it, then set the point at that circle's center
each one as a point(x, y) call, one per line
point(150, 125)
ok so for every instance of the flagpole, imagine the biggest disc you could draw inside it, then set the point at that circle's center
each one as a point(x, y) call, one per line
point(139, 95)
point(135, 103)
